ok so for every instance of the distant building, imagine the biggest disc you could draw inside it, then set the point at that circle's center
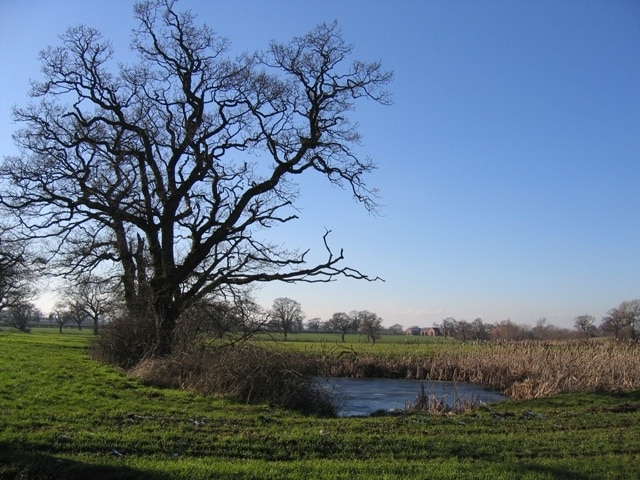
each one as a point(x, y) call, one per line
point(413, 331)
point(431, 332)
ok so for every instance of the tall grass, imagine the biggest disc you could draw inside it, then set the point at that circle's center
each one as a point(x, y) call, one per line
point(244, 372)
point(520, 370)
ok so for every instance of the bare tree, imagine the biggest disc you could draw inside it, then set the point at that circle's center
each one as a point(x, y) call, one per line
point(586, 323)
point(480, 330)
point(464, 330)
point(448, 326)
point(287, 313)
point(615, 321)
point(508, 330)
point(541, 330)
point(340, 322)
point(61, 314)
point(396, 329)
point(170, 168)
point(370, 324)
point(77, 315)
point(314, 324)
point(91, 295)
point(356, 321)
point(631, 311)
point(20, 315)
point(232, 321)
point(17, 272)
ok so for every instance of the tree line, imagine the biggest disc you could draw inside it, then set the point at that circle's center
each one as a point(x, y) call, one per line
point(620, 322)
point(287, 316)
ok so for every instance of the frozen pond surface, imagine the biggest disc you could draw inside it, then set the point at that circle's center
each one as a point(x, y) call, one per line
point(363, 396)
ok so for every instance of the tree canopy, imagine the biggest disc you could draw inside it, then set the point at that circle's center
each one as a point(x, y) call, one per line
point(164, 172)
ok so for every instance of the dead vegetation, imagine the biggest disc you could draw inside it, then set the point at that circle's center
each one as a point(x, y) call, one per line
point(428, 401)
point(258, 373)
point(516, 369)
point(244, 372)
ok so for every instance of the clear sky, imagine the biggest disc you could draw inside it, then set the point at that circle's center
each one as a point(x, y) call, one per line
point(509, 163)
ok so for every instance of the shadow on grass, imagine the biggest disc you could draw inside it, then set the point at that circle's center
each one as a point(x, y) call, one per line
point(16, 463)
point(549, 471)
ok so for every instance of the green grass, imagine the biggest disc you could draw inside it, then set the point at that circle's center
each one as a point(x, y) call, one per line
point(388, 346)
point(65, 416)
point(356, 339)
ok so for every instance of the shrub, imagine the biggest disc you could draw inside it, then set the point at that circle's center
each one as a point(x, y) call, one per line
point(243, 372)
point(132, 337)
point(125, 341)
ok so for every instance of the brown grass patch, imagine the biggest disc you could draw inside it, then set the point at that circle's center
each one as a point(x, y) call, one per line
point(245, 372)
point(516, 369)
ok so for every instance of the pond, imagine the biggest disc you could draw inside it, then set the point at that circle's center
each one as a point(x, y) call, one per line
point(358, 397)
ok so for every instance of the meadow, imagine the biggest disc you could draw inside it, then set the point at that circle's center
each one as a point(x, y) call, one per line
point(66, 416)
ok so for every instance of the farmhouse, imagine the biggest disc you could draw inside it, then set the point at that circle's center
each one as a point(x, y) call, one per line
point(413, 331)
point(425, 332)
point(431, 332)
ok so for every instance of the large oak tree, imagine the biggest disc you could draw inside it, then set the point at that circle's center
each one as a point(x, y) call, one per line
point(168, 169)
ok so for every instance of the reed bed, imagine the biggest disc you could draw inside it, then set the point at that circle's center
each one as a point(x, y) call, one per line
point(520, 370)
point(428, 401)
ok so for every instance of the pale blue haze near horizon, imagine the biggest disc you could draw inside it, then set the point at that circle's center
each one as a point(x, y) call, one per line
point(509, 163)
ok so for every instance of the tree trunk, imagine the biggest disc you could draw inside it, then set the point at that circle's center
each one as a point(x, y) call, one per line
point(166, 314)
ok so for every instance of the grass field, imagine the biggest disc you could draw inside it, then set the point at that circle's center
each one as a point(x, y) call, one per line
point(65, 416)
point(390, 346)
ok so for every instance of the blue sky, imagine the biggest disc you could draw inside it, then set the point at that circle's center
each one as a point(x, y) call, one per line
point(509, 163)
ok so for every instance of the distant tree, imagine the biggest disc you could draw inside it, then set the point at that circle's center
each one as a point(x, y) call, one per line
point(370, 324)
point(169, 168)
point(234, 321)
point(356, 321)
point(77, 315)
point(464, 330)
point(92, 295)
point(22, 314)
point(614, 322)
point(325, 326)
point(631, 310)
point(287, 314)
point(479, 330)
point(396, 329)
point(448, 326)
point(341, 322)
point(585, 323)
point(314, 324)
point(546, 331)
point(540, 331)
point(61, 315)
point(508, 330)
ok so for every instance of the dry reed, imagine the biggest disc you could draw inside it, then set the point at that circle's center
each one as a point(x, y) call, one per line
point(244, 372)
point(438, 404)
point(516, 369)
